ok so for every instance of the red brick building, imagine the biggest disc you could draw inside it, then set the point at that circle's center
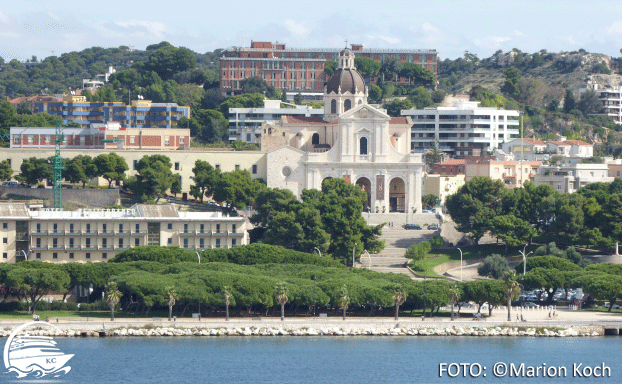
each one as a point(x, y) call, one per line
point(449, 167)
point(302, 69)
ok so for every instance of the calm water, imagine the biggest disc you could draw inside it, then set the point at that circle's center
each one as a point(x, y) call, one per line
point(324, 359)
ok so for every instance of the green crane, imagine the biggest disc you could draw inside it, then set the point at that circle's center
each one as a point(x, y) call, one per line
point(58, 167)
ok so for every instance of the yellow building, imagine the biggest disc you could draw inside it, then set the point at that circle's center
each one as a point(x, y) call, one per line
point(442, 185)
point(99, 234)
point(507, 171)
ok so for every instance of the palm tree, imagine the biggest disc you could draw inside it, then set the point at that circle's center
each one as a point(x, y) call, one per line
point(226, 292)
point(512, 289)
point(344, 300)
point(399, 297)
point(281, 297)
point(113, 296)
point(172, 299)
point(454, 296)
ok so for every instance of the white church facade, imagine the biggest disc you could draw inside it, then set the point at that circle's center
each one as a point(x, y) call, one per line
point(353, 141)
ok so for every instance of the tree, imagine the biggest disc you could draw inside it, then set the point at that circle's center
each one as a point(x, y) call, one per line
point(434, 156)
point(607, 288)
point(454, 295)
point(80, 169)
point(226, 294)
point(512, 289)
point(298, 99)
point(253, 84)
point(111, 167)
point(176, 186)
point(553, 105)
point(420, 97)
point(168, 61)
point(26, 107)
point(154, 177)
point(35, 281)
point(410, 71)
point(396, 106)
point(281, 297)
point(485, 291)
point(429, 200)
point(344, 300)
point(375, 94)
point(34, 170)
point(5, 171)
point(237, 188)
point(399, 296)
point(589, 103)
point(512, 78)
point(113, 296)
point(494, 266)
point(389, 69)
point(418, 251)
point(329, 67)
point(569, 101)
point(173, 296)
point(512, 230)
point(367, 67)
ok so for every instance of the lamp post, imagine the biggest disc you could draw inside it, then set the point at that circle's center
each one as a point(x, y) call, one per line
point(88, 292)
point(199, 256)
point(25, 255)
point(313, 278)
point(525, 259)
point(369, 258)
point(353, 250)
point(460, 263)
point(318, 251)
point(424, 297)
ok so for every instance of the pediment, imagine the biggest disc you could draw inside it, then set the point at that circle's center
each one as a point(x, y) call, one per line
point(364, 111)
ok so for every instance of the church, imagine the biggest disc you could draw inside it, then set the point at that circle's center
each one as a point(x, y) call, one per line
point(352, 140)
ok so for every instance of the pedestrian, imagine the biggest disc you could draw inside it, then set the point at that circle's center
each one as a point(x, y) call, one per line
point(517, 319)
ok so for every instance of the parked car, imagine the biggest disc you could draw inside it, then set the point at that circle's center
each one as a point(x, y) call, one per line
point(615, 306)
point(433, 227)
point(529, 305)
point(412, 226)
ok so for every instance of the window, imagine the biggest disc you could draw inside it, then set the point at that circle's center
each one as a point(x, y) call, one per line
point(120, 243)
point(201, 243)
point(38, 228)
point(38, 255)
point(202, 228)
point(315, 139)
point(177, 166)
point(233, 242)
point(137, 227)
point(170, 241)
point(135, 164)
point(169, 226)
point(70, 228)
point(217, 228)
point(237, 167)
point(5, 255)
point(363, 146)
point(120, 228)
point(88, 228)
point(6, 225)
point(55, 242)
point(104, 228)
point(104, 243)
point(71, 256)
point(88, 255)
point(71, 242)
point(185, 243)
point(233, 228)
point(347, 105)
point(104, 255)
point(185, 228)
point(136, 242)
point(5, 240)
point(54, 255)
point(217, 243)
point(217, 166)
point(333, 106)
point(254, 169)
point(38, 242)
point(88, 243)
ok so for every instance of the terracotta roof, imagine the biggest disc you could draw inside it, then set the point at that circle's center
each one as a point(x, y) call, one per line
point(578, 142)
point(398, 120)
point(452, 162)
point(534, 141)
point(345, 80)
point(319, 120)
point(557, 142)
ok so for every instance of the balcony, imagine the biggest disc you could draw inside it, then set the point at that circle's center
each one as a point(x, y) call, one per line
point(508, 176)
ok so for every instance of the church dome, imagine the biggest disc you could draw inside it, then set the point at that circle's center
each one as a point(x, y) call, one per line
point(348, 79)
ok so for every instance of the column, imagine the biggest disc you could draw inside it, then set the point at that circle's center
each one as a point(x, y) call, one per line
point(418, 180)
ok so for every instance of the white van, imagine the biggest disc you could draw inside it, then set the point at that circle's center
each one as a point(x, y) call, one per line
point(10, 183)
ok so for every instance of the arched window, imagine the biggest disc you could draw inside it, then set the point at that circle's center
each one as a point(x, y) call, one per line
point(347, 105)
point(363, 146)
point(315, 139)
point(333, 106)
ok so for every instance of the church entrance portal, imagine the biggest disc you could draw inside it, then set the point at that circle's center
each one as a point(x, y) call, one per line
point(397, 195)
point(365, 186)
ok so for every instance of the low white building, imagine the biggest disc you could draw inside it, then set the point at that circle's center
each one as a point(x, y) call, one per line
point(528, 149)
point(567, 178)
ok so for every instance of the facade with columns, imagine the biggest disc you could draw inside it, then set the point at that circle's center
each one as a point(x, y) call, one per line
point(353, 141)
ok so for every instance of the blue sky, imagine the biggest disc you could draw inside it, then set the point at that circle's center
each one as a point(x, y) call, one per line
point(45, 27)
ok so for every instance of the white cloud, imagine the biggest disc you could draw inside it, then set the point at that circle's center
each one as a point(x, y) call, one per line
point(154, 28)
point(568, 39)
point(518, 33)
point(390, 40)
point(297, 28)
point(491, 42)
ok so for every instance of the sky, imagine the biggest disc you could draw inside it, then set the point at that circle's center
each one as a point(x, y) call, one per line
point(44, 28)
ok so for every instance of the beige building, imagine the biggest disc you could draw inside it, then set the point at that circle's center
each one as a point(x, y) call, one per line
point(182, 161)
point(567, 178)
point(98, 235)
point(442, 185)
point(507, 171)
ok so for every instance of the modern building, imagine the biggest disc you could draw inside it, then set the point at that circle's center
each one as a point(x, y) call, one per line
point(528, 149)
point(443, 185)
point(462, 130)
point(353, 141)
point(84, 235)
point(567, 178)
point(140, 114)
point(507, 171)
point(245, 123)
point(302, 69)
point(101, 136)
point(611, 99)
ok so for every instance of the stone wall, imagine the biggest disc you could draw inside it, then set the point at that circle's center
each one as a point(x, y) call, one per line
point(92, 197)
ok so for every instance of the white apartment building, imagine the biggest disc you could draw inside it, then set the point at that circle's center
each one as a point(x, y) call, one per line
point(84, 235)
point(611, 98)
point(245, 123)
point(567, 178)
point(462, 130)
point(538, 150)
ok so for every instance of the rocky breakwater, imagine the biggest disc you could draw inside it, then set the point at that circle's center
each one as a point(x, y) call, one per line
point(323, 331)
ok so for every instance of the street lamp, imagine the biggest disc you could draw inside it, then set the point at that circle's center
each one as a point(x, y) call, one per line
point(318, 251)
point(525, 259)
point(199, 256)
point(25, 255)
point(353, 250)
point(369, 257)
point(460, 263)
point(424, 297)
point(313, 278)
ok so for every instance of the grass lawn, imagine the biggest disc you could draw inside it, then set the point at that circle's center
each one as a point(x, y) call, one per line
point(470, 252)
point(82, 314)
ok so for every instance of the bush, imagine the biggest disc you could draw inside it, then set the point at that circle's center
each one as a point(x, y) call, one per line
point(493, 266)
point(437, 242)
point(418, 251)
point(265, 254)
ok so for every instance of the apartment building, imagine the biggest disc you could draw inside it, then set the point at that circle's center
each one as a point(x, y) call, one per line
point(442, 185)
point(462, 130)
point(512, 173)
point(611, 99)
point(449, 168)
point(569, 177)
point(139, 114)
point(302, 69)
point(245, 123)
point(84, 235)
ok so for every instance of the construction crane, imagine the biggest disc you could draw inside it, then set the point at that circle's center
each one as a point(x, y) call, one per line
point(58, 167)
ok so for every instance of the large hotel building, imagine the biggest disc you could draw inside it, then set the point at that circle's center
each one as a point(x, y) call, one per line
point(302, 69)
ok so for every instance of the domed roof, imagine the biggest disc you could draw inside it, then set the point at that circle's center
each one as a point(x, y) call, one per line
point(348, 79)
point(346, 52)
